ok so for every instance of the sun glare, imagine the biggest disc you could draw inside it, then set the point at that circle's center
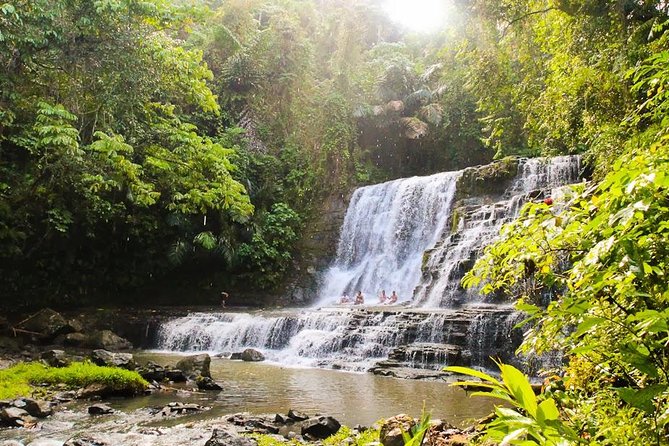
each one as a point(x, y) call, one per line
point(417, 15)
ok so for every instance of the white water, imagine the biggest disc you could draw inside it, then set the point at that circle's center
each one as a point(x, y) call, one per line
point(385, 232)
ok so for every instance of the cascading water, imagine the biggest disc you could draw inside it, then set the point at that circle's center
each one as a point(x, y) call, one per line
point(479, 224)
point(421, 234)
point(386, 230)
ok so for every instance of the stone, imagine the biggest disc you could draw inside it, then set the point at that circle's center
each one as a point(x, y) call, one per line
point(108, 340)
point(76, 340)
point(175, 375)
point(297, 416)
point(252, 355)
point(222, 437)
point(6, 363)
point(320, 427)
point(84, 441)
point(152, 371)
point(75, 325)
point(391, 431)
point(55, 358)
point(177, 408)
point(100, 409)
point(205, 383)
point(14, 416)
point(46, 323)
point(195, 365)
point(283, 419)
point(94, 390)
point(36, 408)
point(237, 356)
point(106, 358)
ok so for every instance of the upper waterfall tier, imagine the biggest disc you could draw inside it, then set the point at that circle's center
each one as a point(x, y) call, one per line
point(439, 223)
point(385, 232)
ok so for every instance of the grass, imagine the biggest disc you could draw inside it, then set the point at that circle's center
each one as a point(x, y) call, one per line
point(21, 379)
point(362, 439)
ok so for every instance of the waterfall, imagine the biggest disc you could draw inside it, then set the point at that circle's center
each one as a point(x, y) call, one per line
point(479, 224)
point(385, 232)
point(417, 236)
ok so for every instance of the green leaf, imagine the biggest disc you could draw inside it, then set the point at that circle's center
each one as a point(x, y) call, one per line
point(546, 411)
point(520, 388)
point(642, 399)
point(472, 372)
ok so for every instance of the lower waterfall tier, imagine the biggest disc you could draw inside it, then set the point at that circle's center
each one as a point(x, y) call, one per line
point(382, 340)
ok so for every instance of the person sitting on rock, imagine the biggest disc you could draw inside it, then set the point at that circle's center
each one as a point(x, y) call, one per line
point(345, 299)
point(359, 298)
point(382, 297)
point(393, 298)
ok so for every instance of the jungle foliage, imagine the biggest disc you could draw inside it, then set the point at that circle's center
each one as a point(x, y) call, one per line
point(591, 272)
point(171, 141)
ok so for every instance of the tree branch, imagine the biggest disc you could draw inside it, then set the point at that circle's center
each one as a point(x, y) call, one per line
point(523, 17)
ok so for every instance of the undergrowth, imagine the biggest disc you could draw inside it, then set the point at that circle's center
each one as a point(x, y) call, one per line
point(21, 379)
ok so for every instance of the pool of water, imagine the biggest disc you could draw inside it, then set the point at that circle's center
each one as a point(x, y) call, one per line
point(352, 398)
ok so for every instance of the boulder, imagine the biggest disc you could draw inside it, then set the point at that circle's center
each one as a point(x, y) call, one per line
point(152, 372)
point(237, 356)
point(195, 365)
point(36, 408)
point(252, 355)
point(205, 383)
point(14, 416)
point(100, 409)
point(320, 427)
point(391, 431)
point(108, 340)
point(222, 437)
point(106, 358)
point(55, 358)
point(76, 340)
point(46, 324)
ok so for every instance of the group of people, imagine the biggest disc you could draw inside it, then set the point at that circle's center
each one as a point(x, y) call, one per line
point(359, 298)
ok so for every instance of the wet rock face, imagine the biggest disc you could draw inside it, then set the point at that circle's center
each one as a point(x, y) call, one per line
point(489, 179)
point(195, 365)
